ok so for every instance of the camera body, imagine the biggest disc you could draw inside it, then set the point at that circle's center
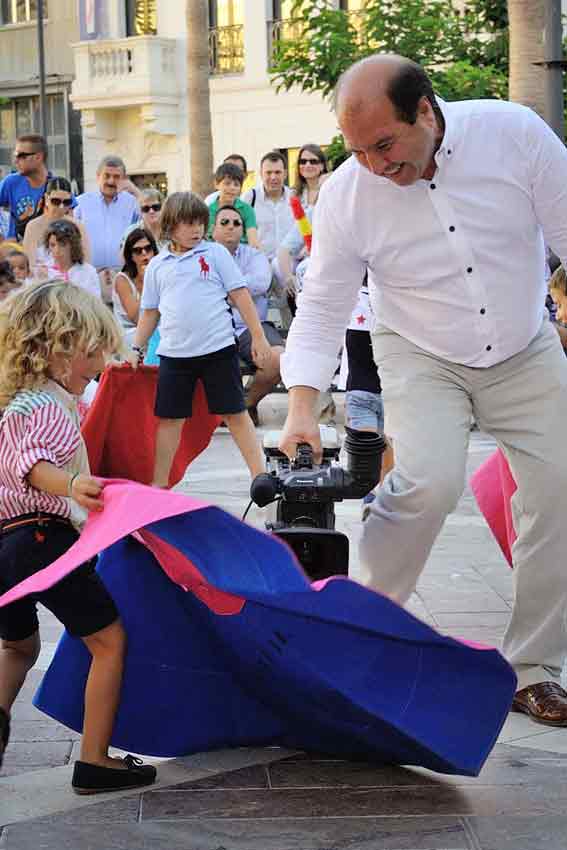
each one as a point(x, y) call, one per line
point(305, 494)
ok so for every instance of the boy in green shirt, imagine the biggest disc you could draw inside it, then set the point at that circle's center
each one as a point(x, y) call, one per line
point(228, 181)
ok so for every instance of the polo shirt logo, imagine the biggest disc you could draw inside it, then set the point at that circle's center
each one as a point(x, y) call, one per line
point(205, 268)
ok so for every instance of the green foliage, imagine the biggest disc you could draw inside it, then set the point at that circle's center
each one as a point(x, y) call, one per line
point(465, 52)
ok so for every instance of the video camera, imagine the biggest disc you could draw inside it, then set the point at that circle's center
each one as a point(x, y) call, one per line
point(305, 494)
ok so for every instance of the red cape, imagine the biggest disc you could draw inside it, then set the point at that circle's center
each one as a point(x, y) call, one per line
point(120, 427)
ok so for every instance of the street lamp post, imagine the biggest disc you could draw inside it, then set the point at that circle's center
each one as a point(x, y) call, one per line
point(41, 63)
point(554, 65)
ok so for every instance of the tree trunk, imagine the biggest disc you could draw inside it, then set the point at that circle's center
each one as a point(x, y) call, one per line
point(198, 97)
point(527, 80)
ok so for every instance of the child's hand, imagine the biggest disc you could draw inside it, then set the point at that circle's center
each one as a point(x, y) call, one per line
point(261, 351)
point(134, 357)
point(85, 491)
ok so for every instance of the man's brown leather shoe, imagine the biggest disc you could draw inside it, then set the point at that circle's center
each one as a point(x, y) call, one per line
point(545, 703)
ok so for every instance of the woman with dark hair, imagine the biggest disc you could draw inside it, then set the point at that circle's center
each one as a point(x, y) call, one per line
point(58, 206)
point(138, 249)
point(64, 246)
point(311, 165)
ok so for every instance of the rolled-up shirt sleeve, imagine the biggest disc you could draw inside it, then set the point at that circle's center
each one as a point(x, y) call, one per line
point(48, 434)
point(326, 302)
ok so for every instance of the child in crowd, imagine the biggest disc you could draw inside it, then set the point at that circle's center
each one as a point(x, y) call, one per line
point(186, 290)
point(8, 282)
point(64, 246)
point(54, 337)
point(228, 181)
point(20, 266)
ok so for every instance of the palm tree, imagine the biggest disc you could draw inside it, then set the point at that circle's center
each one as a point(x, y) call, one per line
point(527, 80)
point(198, 96)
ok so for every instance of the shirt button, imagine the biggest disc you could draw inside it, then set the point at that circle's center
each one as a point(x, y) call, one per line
point(452, 229)
point(469, 270)
point(432, 186)
point(482, 311)
point(449, 152)
point(489, 348)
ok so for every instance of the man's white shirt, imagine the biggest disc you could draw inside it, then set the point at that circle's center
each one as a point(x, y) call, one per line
point(455, 264)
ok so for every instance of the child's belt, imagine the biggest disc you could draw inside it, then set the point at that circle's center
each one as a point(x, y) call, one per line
point(38, 518)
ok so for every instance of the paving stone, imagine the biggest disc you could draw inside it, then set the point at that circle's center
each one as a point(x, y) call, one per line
point(519, 833)
point(31, 731)
point(255, 776)
point(283, 834)
point(22, 756)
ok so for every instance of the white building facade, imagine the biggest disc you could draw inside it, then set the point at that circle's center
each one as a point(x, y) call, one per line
point(131, 88)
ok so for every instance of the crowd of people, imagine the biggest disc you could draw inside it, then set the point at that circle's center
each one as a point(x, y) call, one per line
point(190, 280)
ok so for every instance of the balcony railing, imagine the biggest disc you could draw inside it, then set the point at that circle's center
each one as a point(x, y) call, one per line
point(115, 72)
point(226, 50)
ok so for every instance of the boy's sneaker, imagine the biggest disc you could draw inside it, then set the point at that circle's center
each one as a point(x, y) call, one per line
point(94, 779)
point(4, 732)
point(366, 502)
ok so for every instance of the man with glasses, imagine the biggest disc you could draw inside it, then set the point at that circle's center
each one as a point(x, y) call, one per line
point(257, 273)
point(22, 193)
point(106, 213)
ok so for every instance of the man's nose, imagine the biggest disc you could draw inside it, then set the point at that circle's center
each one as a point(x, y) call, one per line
point(376, 162)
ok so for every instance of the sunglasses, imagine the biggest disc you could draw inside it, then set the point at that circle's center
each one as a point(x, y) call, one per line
point(24, 154)
point(57, 202)
point(225, 221)
point(138, 250)
point(62, 227)
point(303, 161)
point(154, 207)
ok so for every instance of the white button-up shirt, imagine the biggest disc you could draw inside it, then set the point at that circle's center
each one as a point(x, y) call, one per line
point(455, 264)
point(274, 218)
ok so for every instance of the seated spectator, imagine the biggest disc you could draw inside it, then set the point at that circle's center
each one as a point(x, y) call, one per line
point(7, 247)
point(228, 180)
point(58, 205)
point(139, 248)
point(311, 170)
point(257, 273)
point(20, 265)
point(235, 159)
point(64, 245)
point(151, 203)
point(8, 282)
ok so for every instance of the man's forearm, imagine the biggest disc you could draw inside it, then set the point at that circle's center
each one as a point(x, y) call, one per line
point(302, 400)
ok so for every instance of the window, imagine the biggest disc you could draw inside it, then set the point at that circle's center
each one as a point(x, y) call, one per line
point(19, 11)
point(21, 116)
point(226, 36)
point(141, 17)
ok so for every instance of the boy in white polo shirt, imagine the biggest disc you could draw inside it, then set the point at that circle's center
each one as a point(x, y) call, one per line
point(187, 289)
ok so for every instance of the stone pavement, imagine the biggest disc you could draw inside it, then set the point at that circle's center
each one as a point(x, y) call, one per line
point(271, 799)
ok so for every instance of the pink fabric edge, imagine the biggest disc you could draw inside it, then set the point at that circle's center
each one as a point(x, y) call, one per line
point(128, 507)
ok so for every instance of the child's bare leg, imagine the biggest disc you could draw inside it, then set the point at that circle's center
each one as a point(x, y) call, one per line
point(243, 433)
point(16, 658)
point(167, 442)
point(102, 693)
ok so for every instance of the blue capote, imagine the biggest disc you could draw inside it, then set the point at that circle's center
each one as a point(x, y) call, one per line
point(339, 669)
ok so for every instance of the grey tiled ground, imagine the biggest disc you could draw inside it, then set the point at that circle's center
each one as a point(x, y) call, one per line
point(245, 800)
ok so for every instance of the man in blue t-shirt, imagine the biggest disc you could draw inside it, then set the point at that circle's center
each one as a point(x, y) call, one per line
point(22, 193)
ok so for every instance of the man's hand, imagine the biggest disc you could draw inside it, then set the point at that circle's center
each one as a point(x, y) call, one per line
point(301, 428)
point(85, 491)
point(126, 185)
point(290, 285)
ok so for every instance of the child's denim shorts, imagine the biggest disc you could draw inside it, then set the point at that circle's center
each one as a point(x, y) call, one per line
point(364, 410)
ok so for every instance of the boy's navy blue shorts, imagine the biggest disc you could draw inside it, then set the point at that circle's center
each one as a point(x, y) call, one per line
point(220, 374)
point(80, 601)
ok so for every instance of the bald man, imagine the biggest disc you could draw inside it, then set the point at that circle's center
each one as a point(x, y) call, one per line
point(447, 206)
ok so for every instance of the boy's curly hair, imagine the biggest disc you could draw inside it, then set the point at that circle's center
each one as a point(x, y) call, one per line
point(65, 230)
point(558, 281)
point(46, 320)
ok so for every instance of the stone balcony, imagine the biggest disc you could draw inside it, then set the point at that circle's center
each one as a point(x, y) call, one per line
point(127, 72)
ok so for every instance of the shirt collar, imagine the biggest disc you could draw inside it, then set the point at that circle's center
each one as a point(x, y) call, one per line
point(450, 138)
point(285, 193)
point(199, 248)
point(60, 393)
point(103, 199)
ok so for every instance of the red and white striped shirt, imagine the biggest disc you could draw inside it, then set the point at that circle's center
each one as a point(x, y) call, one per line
point(39, 425)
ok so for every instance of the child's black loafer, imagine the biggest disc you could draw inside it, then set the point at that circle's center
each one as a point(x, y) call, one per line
point(93, 779)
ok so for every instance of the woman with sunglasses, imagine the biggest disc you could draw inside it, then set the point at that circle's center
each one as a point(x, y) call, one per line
point(63, 245)
point(58, 205)
point(139, 248)
point(311, 165)
point(151, 203)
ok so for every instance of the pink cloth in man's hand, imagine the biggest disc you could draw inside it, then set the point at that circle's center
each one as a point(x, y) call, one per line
point(120, 427)
point(493, 487)
point(127, 507)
